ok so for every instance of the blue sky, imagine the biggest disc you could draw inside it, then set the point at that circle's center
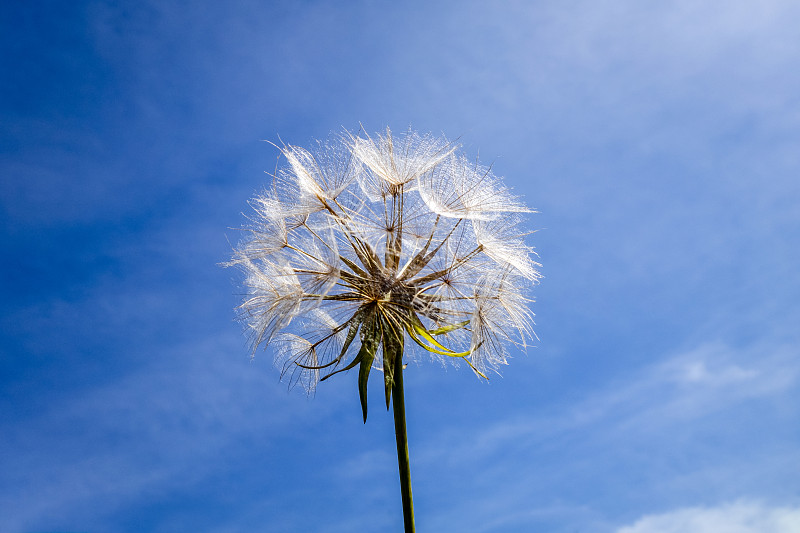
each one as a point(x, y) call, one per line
point(660, 143)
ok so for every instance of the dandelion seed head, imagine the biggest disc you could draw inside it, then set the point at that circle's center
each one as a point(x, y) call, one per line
point(364, 245)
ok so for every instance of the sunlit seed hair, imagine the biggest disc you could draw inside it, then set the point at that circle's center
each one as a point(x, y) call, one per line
point(385, 241)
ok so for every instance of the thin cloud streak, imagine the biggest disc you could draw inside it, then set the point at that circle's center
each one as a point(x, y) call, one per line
point(680, 388)
point(738, 517)
point(162, 427)
point(632, 430)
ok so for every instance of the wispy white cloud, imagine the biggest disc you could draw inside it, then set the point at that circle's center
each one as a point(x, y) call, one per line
point(737, 517)
point(165, 426)
point(710, 378)
point(677, 389)
point(678, 431)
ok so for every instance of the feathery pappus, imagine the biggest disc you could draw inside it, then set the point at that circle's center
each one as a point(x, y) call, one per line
point(368, 248)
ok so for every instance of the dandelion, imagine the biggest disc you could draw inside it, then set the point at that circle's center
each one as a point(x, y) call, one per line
point(370, 251)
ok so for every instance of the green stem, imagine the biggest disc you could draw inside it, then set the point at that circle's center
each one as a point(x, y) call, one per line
point(398, 402)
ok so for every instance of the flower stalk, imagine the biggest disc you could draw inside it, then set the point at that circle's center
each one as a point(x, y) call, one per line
point(402, 450)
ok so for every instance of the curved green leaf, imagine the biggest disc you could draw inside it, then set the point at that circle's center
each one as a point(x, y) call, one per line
point(447, 329)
